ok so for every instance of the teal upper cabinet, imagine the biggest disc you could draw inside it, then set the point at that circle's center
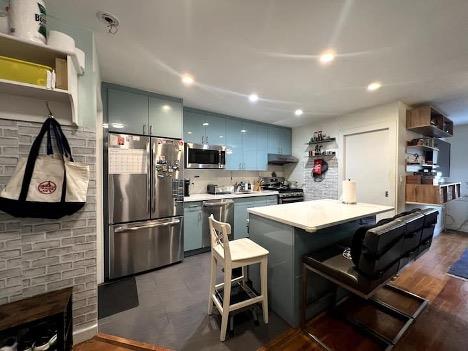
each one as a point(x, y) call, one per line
point(247, 143)
point(262, 147)
point(279, 140)
point(194, 131)
point(215, 130)
point(165, 117)
point(285, 141)
point(127, 111)
point(204, 128)
point(234, 152)
point(273, 140)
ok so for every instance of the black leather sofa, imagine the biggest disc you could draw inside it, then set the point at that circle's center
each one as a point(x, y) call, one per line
point(374, 256)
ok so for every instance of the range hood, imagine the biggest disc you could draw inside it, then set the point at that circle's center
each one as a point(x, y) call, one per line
point(277, 159)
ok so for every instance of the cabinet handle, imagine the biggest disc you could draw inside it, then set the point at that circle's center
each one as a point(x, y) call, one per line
point(144, 128)
point(207, 139)
point(151, 129)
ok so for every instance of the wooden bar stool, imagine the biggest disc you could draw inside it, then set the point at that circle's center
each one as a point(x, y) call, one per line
point(234, 254)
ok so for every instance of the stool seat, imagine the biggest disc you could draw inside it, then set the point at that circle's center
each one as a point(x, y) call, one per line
point(242, 249)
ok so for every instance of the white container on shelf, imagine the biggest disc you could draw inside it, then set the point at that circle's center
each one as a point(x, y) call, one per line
point(28, 20)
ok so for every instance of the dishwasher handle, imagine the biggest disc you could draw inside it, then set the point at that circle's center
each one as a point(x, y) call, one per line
point(218, 204)
point(146, 226)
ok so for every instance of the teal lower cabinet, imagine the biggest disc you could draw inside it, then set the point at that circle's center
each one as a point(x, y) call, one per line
point(241, 216)
point(192, 226)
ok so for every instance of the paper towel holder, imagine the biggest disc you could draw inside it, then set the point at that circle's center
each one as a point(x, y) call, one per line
point(348, 202)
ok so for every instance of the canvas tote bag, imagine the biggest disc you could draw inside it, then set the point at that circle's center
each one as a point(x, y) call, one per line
point(49, 186)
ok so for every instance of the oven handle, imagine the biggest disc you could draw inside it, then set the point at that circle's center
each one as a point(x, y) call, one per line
point(146, 226)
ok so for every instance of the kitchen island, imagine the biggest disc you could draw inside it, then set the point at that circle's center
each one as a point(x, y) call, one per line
point(290, 231)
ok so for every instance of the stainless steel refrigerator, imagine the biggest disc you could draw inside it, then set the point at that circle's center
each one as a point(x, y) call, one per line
point(145, 192)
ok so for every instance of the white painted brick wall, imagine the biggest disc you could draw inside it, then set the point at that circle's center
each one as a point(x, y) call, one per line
point(40, 255)
point(328, 187)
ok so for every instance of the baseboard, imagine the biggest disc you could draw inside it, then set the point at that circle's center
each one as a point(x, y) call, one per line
point(85, 333)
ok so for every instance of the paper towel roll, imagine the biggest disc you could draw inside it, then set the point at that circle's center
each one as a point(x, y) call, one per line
point(349, 192)
point(28, 20)
point(61, 41)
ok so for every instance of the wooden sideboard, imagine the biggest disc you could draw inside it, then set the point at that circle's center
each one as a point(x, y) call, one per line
point(427, 194)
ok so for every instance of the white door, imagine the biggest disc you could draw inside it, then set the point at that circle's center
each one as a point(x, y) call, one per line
point(368, 161)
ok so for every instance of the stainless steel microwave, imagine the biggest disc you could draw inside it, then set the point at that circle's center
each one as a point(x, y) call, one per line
point(205, 156)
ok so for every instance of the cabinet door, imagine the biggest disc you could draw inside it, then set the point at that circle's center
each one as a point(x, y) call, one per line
point(192, 226)
point(272, 200)
point(273, 140)
point(285, 141)
point(215, 130)
point(194, 130)
point(262, 147)
point(240, 218)
point(165, 117)
point(234, 154)
point(249, 146)
point(127, 111)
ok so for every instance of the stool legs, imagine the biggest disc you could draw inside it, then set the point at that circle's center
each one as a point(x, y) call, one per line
point(226, 301)
point(212, 284)
point(264, 285)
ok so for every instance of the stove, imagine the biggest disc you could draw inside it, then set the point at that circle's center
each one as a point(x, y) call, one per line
point(286, 194)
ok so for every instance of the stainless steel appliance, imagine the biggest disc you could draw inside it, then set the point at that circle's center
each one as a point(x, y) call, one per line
point(205, 156)
point(286, 193)
point(278, 159)
point(145, 203)
point(216, 189)
point(222, 210)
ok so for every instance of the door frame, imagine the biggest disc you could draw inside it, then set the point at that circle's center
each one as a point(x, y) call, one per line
point(392, 128)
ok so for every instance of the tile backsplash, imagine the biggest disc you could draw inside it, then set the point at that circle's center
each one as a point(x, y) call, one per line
point(199, 179)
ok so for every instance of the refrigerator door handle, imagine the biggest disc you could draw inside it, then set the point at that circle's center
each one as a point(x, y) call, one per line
point(152, 225)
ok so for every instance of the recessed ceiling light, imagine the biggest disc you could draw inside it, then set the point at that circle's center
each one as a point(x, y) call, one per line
point(253, 97)
point(327, 56)
point(187, 79)
point(374, 86)
point(166, 107)
point(298, 112)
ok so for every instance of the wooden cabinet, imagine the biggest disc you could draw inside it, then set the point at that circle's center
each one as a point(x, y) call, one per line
point(134, 111)
point(432, 194)
point(192, 226)
point(428, 121)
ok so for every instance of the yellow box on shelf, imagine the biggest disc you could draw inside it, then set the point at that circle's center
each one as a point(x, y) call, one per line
point(25, 72)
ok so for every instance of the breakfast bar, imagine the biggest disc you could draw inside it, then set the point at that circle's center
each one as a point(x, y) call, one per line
point(289, 231)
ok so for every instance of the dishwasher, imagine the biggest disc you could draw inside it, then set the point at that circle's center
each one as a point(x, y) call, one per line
point(222, 210)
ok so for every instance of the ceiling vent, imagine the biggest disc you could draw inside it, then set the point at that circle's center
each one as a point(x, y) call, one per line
point(110, 21)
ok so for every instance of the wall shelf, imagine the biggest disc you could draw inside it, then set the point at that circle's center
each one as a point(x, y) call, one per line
point(328, 140)
point(430, 122)
point(421, 147)
point(27, 50)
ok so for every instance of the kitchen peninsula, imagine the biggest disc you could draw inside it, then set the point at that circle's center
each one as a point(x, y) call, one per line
point(291, 230)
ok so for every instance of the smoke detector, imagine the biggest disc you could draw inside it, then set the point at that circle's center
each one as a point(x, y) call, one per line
point(110, 21)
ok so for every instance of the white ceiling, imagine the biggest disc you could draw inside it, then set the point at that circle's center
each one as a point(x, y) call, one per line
point(418, 49)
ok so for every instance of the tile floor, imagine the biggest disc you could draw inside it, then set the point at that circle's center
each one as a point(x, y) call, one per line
point(172, 312)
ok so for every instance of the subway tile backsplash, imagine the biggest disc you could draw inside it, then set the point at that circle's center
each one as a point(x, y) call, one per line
point(199, 179)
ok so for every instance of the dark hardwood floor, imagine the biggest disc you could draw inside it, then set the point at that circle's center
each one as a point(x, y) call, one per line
point(442, 326)
point(105, 342)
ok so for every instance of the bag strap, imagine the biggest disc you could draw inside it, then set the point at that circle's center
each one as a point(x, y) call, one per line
point(31, 162)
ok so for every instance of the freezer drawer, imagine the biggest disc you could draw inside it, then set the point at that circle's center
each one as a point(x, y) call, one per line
point(141, 246)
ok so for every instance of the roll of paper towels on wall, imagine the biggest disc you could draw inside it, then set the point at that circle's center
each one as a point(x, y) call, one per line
point(349, 192)
point(28, 20)
point(61, 41)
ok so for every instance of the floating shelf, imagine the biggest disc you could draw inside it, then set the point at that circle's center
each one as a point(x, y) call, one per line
point(431, 131)
point(329, 140)
point(27, 50)
point(34, 91)
point(320, 156)
point(424, 147)
point(429, 121)
point(422, 165)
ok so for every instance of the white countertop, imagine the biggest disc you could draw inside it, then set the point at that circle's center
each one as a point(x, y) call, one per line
point(318, 214)
point(204, 197)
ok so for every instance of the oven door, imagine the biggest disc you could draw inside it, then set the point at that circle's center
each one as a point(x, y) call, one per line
point(290, 200)
point(205, 156)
